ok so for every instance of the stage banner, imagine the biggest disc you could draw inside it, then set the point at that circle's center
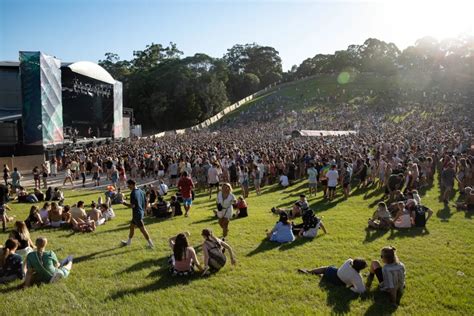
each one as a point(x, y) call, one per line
point(31, 98)
point(118, 110)
point(51, 100)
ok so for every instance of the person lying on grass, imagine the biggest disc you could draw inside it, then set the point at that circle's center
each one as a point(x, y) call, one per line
point(11, 264)
point(213, 249)
point(297, 210)
point(310, 226)
point(184, 260)
point(391, 275)
point(43, 266)
point(468, 203)
point(282, 231)
point(346, 275)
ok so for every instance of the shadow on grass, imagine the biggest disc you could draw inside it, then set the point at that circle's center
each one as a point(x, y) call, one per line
point(380, 305)
point(100, 255)
point(324, 205)
point(408, 232)
point(445, 213)
point(373, 193)
point(298, 242)
point(338, 297)
point(265, 245)
point(8, 288)
point(206, 220)
point(165, 279)
point(373, 234)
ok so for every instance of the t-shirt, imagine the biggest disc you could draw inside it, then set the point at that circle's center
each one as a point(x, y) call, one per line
point(185, 186)
point(137, 199)
point(351, 277)
point(332, 176)
point(213, 175)
point(13, 266)
point(46, 269)
point(284, 181)
point(77, 212)
point(282, 233)
point(447, 177)
point(312, 175)
point(393, 276)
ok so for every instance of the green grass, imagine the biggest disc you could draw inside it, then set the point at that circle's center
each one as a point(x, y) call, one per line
point(108, 279)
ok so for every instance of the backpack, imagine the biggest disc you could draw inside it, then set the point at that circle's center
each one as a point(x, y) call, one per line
point(217, 259)
point(420, 216)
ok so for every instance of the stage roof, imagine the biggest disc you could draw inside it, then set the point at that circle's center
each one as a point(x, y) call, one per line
point(92, 70)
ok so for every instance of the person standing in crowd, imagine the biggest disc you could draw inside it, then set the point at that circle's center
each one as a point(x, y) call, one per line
point(312, 180)
point(185, 187)
point(6, 174)
point(225, 202)
point(137, 203)
point(332, 176)
point(16, 178)
point(448, 175)
point(213, 178)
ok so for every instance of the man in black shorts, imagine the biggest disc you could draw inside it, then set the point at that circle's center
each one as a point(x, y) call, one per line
point(137, 203)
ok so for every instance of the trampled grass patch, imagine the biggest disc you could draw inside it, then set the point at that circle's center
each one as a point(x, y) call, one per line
point(109, 279)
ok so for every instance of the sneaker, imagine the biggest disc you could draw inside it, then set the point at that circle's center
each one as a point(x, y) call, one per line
point(303, 271)
point(56, 277)
point(150, 246)
point(125, 243)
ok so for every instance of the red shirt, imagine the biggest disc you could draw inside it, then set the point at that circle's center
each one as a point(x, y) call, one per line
point(185, 185)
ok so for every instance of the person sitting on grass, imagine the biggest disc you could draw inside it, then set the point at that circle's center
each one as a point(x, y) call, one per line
point(381, 218)
point(346, 275)
point(107, 212)
point(282, 231)
point(161, 208)
point(298, 208)
point(213, 249)
point(241, 208)
point(468, 203)
point(175, 207)
point(96, 215)
point(43, 266)
point(391, 276)
point(33, 221)
point(184, 259)
point(44, 213)
point(310, 226)
point(58, 196)
point(39, 195)
point(56, 215)
point(11, 264)
point(403, 217)
point(21, 234)
point(420, 214)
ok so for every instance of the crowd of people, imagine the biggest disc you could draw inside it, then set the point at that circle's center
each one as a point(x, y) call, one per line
point(396, 152)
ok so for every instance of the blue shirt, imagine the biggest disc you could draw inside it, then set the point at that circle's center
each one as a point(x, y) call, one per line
point(282, 233)
point(137, 199)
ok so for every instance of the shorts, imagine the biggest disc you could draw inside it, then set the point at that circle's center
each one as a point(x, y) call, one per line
point(330, 276)
point(214, 185)
point(345, 185)
point(332, 188)
point(313, 184)
point(64, 271)
point(138, 222)
point(161, 173)
point(324, 182)
point(96, 176)
point(188, 201)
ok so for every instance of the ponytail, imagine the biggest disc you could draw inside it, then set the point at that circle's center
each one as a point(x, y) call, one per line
point(10, 246)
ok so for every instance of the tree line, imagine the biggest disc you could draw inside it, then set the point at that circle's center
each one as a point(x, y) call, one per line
point(168, 91)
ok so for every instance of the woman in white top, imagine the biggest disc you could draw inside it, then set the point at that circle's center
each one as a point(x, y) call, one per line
point(225, 202)
point(403, 218)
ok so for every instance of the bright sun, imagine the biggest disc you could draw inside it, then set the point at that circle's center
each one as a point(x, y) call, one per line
point(440, 19)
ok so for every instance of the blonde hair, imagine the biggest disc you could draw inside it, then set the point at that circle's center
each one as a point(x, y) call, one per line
point(227, 184)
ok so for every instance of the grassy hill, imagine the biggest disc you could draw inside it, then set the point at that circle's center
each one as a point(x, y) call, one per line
point(108, 279)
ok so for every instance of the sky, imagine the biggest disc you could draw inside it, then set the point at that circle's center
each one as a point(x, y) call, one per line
point(75, 30)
